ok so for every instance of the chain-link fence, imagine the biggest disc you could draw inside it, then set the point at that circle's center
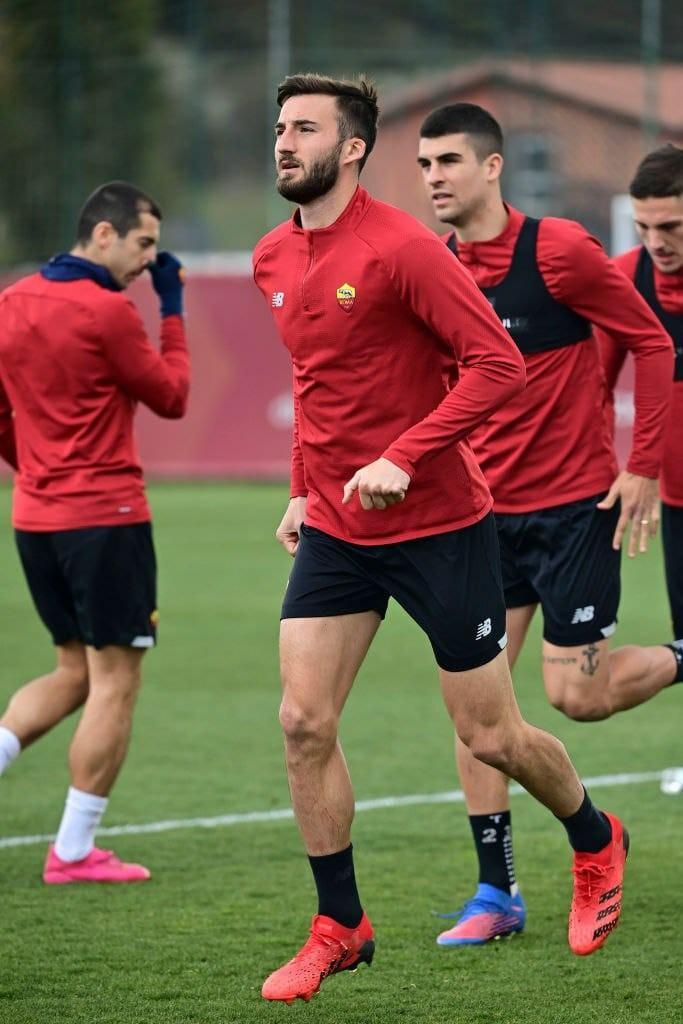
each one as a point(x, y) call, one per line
point(178, 96)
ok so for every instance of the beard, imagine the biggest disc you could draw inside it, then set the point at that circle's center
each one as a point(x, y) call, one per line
point(321, 177)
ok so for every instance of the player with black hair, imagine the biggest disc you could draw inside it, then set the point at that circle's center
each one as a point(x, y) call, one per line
point(561, 505)
point(74, 362)
point(656, 269)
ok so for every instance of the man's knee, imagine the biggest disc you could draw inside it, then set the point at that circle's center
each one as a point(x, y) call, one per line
point(582, 704)
point(71, 670)
point(114, 698)
point(577, 680)
point(115, 678)
point(74, 678)
point(497, 746)
point(307, 729)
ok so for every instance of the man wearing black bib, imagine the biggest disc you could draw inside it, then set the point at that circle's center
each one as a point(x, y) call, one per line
point(656, 269)
point(562, 507)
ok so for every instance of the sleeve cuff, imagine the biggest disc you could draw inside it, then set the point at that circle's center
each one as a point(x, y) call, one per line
point(400, 461)
point(649, 468)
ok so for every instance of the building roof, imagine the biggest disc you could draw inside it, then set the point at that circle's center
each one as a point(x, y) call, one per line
point(612, 88)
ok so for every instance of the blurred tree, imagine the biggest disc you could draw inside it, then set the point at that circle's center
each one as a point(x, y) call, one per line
point(175, 94)
point(79, 105)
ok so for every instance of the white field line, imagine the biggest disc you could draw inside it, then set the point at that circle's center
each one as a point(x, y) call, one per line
point(285, 814)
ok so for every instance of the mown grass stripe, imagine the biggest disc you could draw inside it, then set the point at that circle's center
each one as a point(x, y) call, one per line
point(285, 813)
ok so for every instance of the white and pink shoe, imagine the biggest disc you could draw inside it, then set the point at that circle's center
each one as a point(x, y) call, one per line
point(98, 866)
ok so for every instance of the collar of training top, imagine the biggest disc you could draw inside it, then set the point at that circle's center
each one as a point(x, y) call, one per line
point(350, 215)
point(65, 267)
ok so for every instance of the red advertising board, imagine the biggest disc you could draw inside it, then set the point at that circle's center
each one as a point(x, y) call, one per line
point(239, 418)
point(240, 413)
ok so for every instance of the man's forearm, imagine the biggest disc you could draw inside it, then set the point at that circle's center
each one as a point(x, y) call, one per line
point(484, 388)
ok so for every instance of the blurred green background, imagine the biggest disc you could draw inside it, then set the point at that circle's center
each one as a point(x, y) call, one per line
point(178, 95)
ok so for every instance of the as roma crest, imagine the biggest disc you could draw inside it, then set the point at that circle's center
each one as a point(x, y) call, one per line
point(346, 296)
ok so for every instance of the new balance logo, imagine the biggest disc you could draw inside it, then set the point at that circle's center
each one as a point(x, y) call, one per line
point(483, 629)
point(584, 614)
point(278, 300)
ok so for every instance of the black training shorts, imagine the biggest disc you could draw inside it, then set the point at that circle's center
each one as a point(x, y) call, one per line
point(96, 585)
point(672, 540)
point(562, 558)
point(449, 583)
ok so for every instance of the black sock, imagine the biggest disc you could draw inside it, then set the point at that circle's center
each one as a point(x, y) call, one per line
point(493, 840)
point(335, 881)
point(677, 648)
point(589, 830)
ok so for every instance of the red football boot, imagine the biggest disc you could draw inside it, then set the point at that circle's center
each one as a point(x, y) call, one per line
point(330, 949)
point(596, 901)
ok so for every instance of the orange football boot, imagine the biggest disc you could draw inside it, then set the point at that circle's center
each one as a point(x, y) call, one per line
point(330, 949)
point(596, 900)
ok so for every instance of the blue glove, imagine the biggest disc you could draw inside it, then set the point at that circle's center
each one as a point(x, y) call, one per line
point(168, 279)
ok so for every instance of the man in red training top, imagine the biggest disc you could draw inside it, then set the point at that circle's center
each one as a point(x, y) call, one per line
point(74, 361)
point(656, 269)
point(387, 500)
point(561, 506)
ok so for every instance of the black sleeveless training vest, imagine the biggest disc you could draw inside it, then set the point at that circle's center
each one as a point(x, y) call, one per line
point(536, 321)
point(644, 281)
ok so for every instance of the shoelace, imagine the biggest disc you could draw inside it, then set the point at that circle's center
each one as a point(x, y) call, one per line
point(327, 942)
point(589, 878)
point(328, 945)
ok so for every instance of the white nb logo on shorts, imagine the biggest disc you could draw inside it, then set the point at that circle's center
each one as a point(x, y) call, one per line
point(278, 299)
point(483, 629)
point(583, 614)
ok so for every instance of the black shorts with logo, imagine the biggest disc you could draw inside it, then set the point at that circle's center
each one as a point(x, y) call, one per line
point(449, 583)
point(562, 558)
point(96, 585)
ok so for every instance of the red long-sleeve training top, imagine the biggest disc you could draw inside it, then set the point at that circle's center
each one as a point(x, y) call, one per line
point(551, 444)
point(376, 314)
point(669, 289)
point(74, 361)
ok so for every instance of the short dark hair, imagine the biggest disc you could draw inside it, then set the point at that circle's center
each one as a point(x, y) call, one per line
point(468, 119)
point(660, 173)
point(356, 103)
point(117, 202)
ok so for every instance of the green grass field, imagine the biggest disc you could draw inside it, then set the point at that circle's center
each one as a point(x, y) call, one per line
point(227, 905)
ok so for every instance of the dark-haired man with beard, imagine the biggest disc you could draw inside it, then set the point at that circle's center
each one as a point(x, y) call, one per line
point(561, 505)
point(387, 501)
